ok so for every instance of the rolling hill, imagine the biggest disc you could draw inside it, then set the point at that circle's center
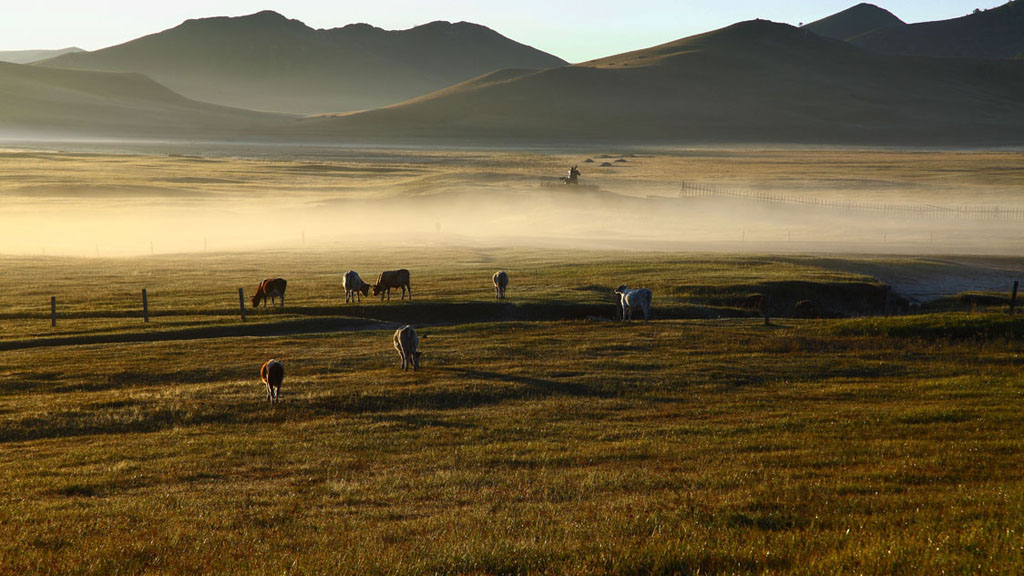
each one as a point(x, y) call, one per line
point(994, 33)
point(265, 61)
point(29, 56)
point(854, 21)
point(46, 102)
point(754, 81)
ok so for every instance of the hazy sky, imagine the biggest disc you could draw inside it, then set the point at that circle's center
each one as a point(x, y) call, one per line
point(573, 30)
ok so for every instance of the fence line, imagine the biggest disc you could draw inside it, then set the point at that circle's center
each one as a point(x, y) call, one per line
point(700, 190)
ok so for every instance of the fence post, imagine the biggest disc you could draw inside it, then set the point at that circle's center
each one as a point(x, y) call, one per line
point(53, 311)
point(145, 306)
point(241, 302)
point(1013, 297)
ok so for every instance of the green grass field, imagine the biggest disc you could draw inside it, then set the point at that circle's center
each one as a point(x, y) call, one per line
point(703, 442)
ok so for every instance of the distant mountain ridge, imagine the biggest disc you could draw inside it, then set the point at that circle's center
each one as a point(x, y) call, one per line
point(29, 56)
point(752, 82)
point(854, 21)
point(265, 61)
point(755, 81)
point(997, 33)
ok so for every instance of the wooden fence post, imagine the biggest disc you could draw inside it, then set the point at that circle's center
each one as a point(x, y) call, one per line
point(241, 302)
point(145, 306)
point(53, 311)
point(1013, 297)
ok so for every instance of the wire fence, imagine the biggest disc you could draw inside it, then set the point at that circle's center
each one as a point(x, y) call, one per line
point(964, 212)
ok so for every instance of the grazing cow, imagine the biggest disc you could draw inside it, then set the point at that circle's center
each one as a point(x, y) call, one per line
point(354, 285)
point(269, 288)
point(407, 344)
point(272, 374)
point(500, 284)
point(631, 298)
point(392, 279)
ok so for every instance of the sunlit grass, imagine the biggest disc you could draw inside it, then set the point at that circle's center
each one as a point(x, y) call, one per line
point(865, 445)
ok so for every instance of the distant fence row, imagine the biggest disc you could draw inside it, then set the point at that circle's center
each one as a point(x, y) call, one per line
point(700, 190)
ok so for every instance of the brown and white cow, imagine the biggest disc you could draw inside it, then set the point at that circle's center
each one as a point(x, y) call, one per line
point(407, 343)
point(353, 285)
point(272, 374)
point(269, 288)
point(500, 280)
point(392, 279)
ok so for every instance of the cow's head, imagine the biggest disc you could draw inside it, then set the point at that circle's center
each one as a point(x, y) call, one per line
point(255, 300)
point(376, 289)
point(365, 289)
point(620, 289)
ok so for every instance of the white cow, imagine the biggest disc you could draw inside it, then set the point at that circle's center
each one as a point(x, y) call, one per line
point(407, 342)
point(632, 298)
point(500, 280)
point(353, 285)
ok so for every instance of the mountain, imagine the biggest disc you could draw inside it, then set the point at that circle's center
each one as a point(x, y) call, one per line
point(859, 19)
point(754, 81)
point(29, 56)
point(47, 102)
point(994, 33)
point(265, 61)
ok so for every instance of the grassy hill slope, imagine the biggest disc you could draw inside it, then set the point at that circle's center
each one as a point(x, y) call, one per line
point(754, 81)
point(854, 21)
point(29, 56)
point(37, 101)
point(995, 33)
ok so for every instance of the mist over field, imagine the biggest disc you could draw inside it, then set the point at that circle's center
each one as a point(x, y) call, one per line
point(733, 200)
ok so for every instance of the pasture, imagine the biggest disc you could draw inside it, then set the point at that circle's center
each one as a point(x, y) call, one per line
point(538, 436)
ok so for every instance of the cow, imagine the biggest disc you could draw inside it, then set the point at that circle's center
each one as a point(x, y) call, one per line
point(407, 344)
point(500, 280)
point(353, 285)
point(630, 299)
point(269, 288)
point(272, 374)
point(392, 279)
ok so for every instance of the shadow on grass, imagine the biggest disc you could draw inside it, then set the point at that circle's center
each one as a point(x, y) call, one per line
point(300, 326)
point(127, 416)
point(531, 386)
point(321, 319)
point(502, 388)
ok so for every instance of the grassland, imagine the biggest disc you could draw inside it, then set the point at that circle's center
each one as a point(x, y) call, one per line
point(702, 442)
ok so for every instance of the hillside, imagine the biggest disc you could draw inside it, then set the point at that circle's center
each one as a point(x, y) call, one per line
point(995, 33)
point(45, 102)
point(29, 56)
point(754, 81)
point(267, 62)
point(854, 21)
